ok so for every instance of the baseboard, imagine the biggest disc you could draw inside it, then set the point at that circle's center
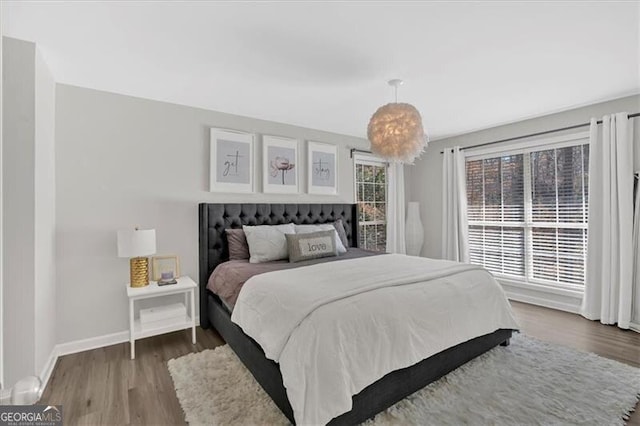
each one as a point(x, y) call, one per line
point(82, 345)
point(47, 370)
point(544, 302)
point(96, 342)
point(550, 300)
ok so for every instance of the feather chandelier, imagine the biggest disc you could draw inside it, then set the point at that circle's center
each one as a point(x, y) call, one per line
point(395, 131)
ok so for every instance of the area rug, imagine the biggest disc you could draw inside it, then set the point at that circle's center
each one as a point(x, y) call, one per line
point(528, 382)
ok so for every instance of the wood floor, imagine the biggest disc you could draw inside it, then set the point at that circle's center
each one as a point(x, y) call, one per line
point(103, 386)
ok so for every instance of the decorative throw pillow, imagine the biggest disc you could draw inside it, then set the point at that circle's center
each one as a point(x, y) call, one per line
point(268, 242)
point(238, 246)
point(341, 232)
point(305, 229)
point(312, 245)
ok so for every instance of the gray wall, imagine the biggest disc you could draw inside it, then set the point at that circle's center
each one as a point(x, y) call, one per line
point(123, 161)
point(44, 216)
point(2, 383)
point(425, 177)
point(18, 135)
point(28, 209)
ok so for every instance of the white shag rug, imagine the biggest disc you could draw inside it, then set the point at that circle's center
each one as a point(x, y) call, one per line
point(528, 382)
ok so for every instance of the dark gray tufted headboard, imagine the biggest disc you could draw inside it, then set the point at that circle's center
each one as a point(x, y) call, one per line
point(215, 218)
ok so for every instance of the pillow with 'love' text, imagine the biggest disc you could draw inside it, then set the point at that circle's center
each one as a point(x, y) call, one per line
point(312, 245)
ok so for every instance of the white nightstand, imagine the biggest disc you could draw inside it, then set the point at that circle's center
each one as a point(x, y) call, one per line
point(139, 331)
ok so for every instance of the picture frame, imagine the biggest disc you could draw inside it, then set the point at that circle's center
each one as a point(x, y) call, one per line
point(163, 265)
point(322, 167)
point(280, 165)
point(231, 161)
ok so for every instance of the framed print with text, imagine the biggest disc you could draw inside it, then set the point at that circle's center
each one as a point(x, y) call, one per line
point(231, 161)
point(322, 168)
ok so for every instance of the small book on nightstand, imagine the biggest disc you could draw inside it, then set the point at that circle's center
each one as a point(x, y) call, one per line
point(167, 278)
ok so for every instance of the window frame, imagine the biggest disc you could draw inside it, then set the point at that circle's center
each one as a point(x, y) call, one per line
point(526, 148)
point(370, 160)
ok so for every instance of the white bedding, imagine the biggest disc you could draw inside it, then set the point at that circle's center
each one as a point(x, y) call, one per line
point(337, 327)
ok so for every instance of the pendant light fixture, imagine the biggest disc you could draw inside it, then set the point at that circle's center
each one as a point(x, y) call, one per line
point(395, 130)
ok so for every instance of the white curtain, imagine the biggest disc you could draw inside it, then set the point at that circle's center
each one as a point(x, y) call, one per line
point(635, 304)
point(395, 209)
point(455, 229)
point(609, 279)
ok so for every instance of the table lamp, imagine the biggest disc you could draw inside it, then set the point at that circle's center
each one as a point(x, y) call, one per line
point(137, 244)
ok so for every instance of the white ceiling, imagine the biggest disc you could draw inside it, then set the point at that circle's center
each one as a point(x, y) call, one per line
point(324, 65)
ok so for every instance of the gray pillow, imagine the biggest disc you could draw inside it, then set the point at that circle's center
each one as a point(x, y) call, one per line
point(341, 232)
point(238, 247)
point(313, 245)
point(317, 227)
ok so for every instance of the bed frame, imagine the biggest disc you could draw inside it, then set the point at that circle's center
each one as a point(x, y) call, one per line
point(215, 218)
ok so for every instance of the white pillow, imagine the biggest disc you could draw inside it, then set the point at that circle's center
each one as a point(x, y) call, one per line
point(267, 242)
point(306, 229)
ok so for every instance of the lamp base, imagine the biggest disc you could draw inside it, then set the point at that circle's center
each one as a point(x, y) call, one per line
point(139, 267)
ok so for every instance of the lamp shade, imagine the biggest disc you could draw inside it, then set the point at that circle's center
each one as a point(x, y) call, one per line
point(396, 133)
point(136, 242)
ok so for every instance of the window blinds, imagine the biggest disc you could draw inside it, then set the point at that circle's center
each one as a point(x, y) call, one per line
point(527, 214)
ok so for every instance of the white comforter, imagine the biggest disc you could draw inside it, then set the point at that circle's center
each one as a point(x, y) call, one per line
point(337, 327)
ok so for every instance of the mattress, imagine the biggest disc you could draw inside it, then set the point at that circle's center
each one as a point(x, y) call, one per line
point(227, 278)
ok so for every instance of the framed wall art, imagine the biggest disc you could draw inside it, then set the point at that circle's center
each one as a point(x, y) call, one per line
point(280, 166)
point(231, 162)
point(322, 168)
point(165, 268)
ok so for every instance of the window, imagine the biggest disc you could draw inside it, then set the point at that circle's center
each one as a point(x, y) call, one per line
point(527, 212)
point(371, 196)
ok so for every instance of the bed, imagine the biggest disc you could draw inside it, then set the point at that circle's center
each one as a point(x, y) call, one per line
point(215, 218)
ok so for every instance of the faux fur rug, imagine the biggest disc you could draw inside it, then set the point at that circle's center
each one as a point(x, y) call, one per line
point(529, 382)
